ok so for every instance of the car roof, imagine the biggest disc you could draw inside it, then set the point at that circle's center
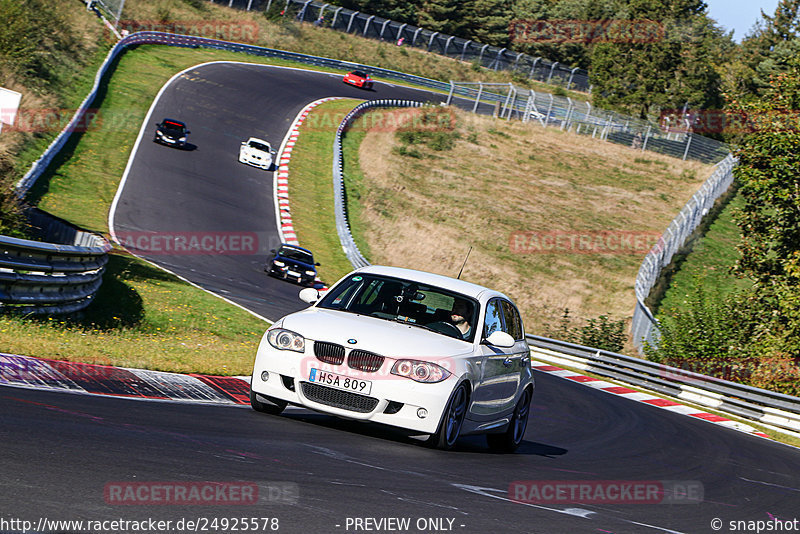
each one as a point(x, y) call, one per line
point(445, 282)
point(173, 121)
point(257, 140)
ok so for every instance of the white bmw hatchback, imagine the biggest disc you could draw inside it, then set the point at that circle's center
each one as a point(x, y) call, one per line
point(256, 152)
point(424, 352)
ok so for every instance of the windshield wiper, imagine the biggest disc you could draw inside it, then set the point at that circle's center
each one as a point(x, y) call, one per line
point(401, 321)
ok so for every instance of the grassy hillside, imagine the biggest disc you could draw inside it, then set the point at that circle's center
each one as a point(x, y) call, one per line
point(428, 197)
point(707, 263)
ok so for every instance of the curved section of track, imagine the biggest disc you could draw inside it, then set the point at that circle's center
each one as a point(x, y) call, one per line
point(205, 193)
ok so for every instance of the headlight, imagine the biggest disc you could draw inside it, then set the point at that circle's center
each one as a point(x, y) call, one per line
point(426, 372)
point(159, 134)
point(278, 263)
point(286, 340)
point(310, 273)
point(182, 139)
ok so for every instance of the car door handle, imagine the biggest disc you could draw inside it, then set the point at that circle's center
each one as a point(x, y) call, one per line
point(508, 362)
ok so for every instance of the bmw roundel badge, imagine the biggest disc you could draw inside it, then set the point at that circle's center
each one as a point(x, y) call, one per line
point(352, 341)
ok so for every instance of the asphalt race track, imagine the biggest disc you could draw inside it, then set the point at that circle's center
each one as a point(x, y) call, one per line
point(205, 191)
point(61, 452)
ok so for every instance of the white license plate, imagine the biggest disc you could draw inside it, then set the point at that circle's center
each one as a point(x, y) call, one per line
point(292, 273)
point(340, 381)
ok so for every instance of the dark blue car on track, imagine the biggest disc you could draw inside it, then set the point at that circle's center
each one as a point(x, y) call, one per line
point(293, 263)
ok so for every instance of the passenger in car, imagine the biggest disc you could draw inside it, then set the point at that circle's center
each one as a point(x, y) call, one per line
point(458, 316)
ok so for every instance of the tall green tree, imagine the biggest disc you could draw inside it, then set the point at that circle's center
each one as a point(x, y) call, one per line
point(676, 68)
point(769, 174)
point(766, 51)
point(487, 21)
point(440, 16)
point(543, 13)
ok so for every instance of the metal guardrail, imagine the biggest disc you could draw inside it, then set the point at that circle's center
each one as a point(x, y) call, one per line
point(644, 327)
point(487, 56)
point(506, 100)
point(51, 278)
point(349, 246)
point(761, 405)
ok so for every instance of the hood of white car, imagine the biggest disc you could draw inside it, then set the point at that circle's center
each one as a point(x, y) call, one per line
point(387, 338)
point(251, 152)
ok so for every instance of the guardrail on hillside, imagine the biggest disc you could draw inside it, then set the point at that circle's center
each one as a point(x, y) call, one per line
point(339, 194)
point(51, 278)
point(487, 56)
point(580, 117)
point(768, 407)
point(644, 327)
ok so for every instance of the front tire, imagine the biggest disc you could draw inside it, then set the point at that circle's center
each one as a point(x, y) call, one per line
point(273, 407)
point(452, 419)
point(509, 440)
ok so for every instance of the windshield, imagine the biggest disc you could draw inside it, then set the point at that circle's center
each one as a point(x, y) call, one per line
point(296, 255)
point(172, 128)
point(259, 146)
point(393, 299)
point(360, 74)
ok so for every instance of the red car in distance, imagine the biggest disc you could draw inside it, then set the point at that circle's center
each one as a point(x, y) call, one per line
point(358, 78)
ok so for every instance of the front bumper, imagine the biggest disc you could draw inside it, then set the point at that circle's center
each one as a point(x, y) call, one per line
point(260, 163)
point(392, 400)
point(287, 274)
point(168, 141)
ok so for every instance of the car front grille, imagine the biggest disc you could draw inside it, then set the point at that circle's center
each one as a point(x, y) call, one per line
point(329, 352)
point(364, 361)
point(339, 399)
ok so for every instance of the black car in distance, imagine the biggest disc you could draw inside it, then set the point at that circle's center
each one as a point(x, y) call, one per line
point(171, 132)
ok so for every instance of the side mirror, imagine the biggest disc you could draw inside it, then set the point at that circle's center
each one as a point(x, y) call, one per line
point(272, 250)
point(500, 339)
point(311, 295)
point(188, 132)
point(317, 264)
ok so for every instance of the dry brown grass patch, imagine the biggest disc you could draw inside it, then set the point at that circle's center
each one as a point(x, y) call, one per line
point(503, 177)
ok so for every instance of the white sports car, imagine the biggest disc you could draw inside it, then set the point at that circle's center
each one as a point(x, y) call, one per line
point(424, 352)
point(256, 152)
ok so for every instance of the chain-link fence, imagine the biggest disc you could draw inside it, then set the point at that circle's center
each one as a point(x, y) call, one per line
point(645, 327)
point(112, 7)
point(507, 101)
point(370, 26)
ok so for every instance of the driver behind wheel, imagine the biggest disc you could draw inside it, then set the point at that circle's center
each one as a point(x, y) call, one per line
point(461, 310)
